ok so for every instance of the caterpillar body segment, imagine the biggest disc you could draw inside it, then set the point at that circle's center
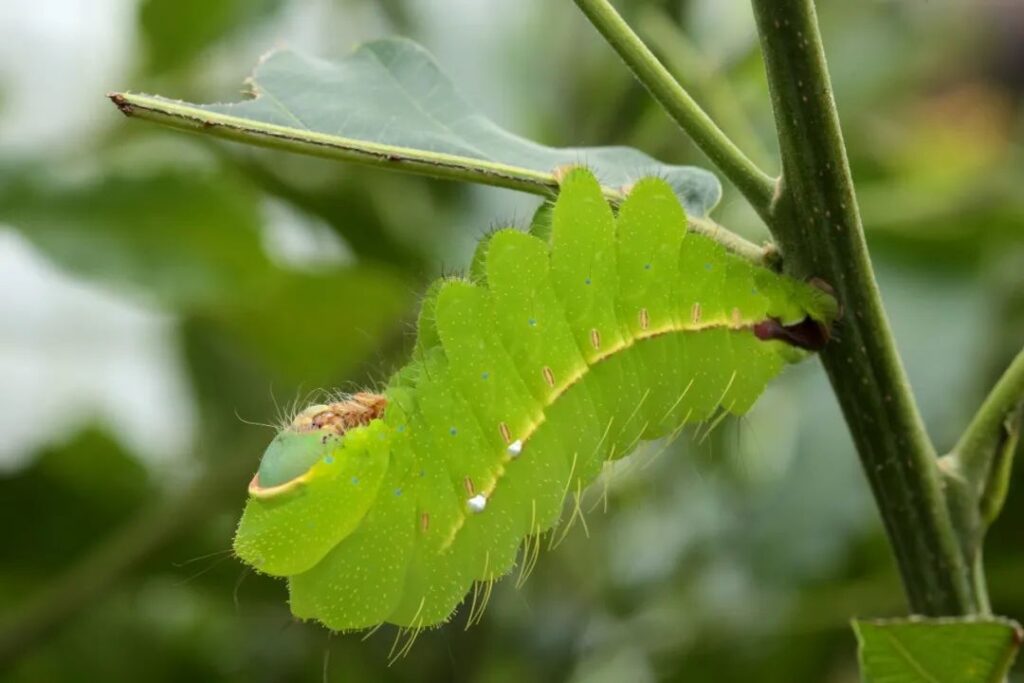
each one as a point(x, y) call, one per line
point(322, 505)
point(562, 353)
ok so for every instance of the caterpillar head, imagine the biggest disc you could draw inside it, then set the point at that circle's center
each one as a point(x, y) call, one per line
point(315, 482)
point(312, 434)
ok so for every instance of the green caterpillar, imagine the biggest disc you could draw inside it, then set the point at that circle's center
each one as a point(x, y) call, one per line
point(566, 348)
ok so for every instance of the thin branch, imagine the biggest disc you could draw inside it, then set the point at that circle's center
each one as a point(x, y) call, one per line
point(757, 186)
point(187, 117)
point(984, 453)
point(405, 159)
point(817, 224)
point(704, 78)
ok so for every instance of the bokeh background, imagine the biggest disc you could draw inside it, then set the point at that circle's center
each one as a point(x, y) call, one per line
point(162, 295)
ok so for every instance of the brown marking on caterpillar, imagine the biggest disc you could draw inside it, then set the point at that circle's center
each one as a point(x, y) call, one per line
point(595, 338)
point(695, 312)
point(549, 376)
point(477, 502)
point(469, 486)
point(807, 334)
point(645, 319)
point(424, 522)
point(341, 416)
point(737, 317)
point(503, 428)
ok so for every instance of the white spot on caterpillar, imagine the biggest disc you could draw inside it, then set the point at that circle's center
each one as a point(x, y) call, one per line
point(695, 312)
point(503, 428)
point(477, 503)
point(549, 376)
point(645, 319)
point(595, 338)
point(514, 449)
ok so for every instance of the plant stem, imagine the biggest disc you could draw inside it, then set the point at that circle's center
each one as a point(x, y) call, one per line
point(754, 183)
point(977, 471)
point(408, 160)
point(704, 78)
point(994, 422)
point(817, 224)
point(186, 117)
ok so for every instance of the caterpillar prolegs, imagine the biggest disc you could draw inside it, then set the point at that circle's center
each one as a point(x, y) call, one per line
point(562, 352)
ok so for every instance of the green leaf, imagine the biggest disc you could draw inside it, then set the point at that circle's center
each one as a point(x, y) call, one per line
point(389, 104)
point(189, 240)
point(937, 650)
point(91, 474)
point(180, 238)
point(313, 328)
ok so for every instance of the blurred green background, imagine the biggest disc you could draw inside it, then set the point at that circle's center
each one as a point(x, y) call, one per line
point(162, 295)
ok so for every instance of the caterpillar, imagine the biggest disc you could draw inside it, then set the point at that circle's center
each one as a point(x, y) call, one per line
point(566, 347)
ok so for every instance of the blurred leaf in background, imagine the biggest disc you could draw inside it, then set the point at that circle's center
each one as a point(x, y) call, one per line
point(176, 31)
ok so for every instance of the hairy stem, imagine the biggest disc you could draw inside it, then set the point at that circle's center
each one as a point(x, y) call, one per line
point(754, 183)
point(817, 224)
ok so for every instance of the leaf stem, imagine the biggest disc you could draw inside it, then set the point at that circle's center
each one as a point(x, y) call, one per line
point(984, 453)
point(408, 160)
point(757, 186)
point(186, 117)
point(817, 223)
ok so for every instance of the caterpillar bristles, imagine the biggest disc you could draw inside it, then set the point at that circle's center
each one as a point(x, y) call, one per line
point(668, 442)
point(530, 547)
point(374, 629)
point(551, 358)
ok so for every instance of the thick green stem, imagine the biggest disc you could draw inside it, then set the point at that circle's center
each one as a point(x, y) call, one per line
point(754, 183)
point(817, 224)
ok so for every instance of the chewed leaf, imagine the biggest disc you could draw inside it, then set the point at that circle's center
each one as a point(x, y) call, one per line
point(562, 354)
point(937, 650)
point(389, 102)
